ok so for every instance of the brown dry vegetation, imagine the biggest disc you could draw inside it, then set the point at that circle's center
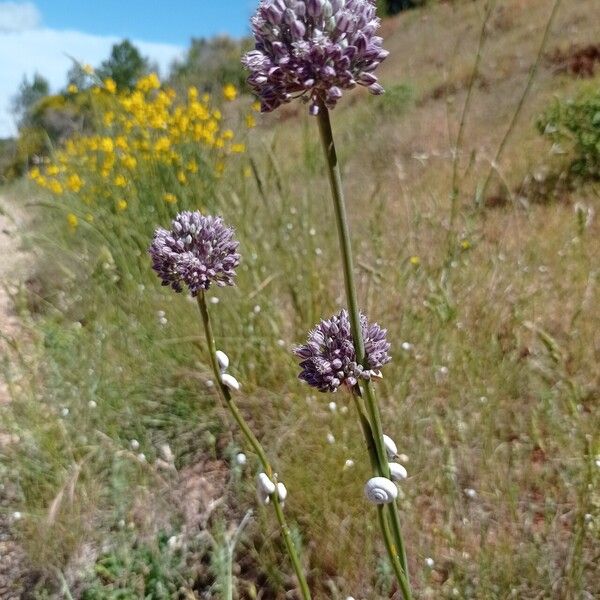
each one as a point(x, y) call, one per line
point(495, 400)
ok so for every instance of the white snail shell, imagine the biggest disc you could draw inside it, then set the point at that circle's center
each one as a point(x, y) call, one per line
point(390, 446)
point(222, 359)
point(230, 381)
point(265, 485)
point(381, 490)
point(282, 491)
point(241, 459)
point(397, 471)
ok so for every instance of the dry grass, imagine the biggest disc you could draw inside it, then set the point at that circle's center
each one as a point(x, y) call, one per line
point(495, 401)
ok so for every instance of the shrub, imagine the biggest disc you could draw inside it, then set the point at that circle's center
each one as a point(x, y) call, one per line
point(573, 126)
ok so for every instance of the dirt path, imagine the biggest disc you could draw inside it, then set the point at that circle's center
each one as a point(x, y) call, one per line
point(14, 572)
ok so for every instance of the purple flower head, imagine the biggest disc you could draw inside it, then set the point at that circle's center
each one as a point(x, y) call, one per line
point(313, 48)
point(197, 251)
point(329, 358)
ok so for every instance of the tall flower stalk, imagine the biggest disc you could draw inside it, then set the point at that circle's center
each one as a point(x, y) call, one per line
point(315, 49)
point(199, 251)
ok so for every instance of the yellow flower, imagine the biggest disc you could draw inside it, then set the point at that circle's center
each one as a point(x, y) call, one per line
point(129, 162)
point(170, 198)
point(192, 94)
point(415, 261)
point(89, 218)
point(35, 174)
point(109, 118)
point(110, 85)
point(55, 187)
point(74, 183)
point(230, 92)
point(238, 148)
point(228, 134)
point(72, 89)
point(72, 221)
point(121, 205)
point(120, 181)
point(96, 90)
point(466, 245)
point(250, 121)
point(107, 145)
point(121, 142)
point(247, 172)
point(256, 106)
point(52, 170)
point(162, 144)
point(181, 177)
point(87, 69)
point(192, 166)
point(148, 83)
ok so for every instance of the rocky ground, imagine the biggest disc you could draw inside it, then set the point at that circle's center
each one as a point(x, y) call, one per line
point(14, 572)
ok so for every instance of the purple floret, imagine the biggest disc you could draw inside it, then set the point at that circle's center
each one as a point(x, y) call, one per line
point(329, 357)
point(196, 252)
point(315, 49)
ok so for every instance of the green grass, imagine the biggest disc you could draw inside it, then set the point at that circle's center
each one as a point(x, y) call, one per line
point(495, 401)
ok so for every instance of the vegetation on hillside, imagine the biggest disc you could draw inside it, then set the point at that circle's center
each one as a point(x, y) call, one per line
point(127, 485)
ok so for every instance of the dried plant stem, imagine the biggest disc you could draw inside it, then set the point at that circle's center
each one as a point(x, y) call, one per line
point(256, 447)
point(522, 99)
point(374, 436)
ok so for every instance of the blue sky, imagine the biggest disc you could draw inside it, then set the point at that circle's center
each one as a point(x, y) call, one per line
point(169, 21)
point(41, 35)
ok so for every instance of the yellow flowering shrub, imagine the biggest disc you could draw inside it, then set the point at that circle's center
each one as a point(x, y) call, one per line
point(148, 154)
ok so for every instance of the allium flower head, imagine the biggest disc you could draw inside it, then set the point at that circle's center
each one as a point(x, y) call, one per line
point(197, 251)
point(329, 357)
point(313, 48)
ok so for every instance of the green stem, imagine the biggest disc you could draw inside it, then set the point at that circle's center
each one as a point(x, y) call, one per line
point(394, 547)
point(256, 446)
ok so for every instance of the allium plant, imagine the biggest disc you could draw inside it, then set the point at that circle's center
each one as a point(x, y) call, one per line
point(329, 357)
point(196, 252)
point(314, 49)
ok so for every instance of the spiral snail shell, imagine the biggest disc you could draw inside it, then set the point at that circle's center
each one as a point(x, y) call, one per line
point(390, 446)
point(230, 381)
point(397, 471)
point(381, 490)
point(222, 359)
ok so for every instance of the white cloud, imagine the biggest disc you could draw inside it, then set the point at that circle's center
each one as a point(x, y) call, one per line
point(18, 16)
point(47, 51)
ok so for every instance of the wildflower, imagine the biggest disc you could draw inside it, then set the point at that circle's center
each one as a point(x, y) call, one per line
point(465, 245)
point(238, 148)
point(72, 89)
point(415, 261)
point(314, 48)
point(121, 205)
point(230, 92)
point(110, 85)
point(330, 438)
point(120, 181)
point(429, 562)
point(72, 221)
point(250, 121)
point(74, 182)
point(169, 198)
point(135, 445)
point(329, 357)
point(197, 251)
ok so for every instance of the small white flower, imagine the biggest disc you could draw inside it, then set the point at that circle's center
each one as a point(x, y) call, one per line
point(390, 446)
point(429, 562)
point(330, 438)
point(318, 251)
point(209, 383)
point(349, 463)
point(222, 359)
point(121, 524)
point(281, 343)
point(161, 314)
point(141, 457)
point(230, 381)
point(332, 406)
point(173, 542)
point(256, 309)
point(135, 445)
point(241, 459)
point(214, 300)
point(92, 404)
point(344, 410)
point(312, 231)
point(163, 321)
point(407, 346)
point(17, 516)
point(470, 493)
point(64, 412)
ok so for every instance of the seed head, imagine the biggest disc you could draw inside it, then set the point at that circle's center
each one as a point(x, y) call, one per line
point(329, 357)
point(314, 49)
point(197, 251)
